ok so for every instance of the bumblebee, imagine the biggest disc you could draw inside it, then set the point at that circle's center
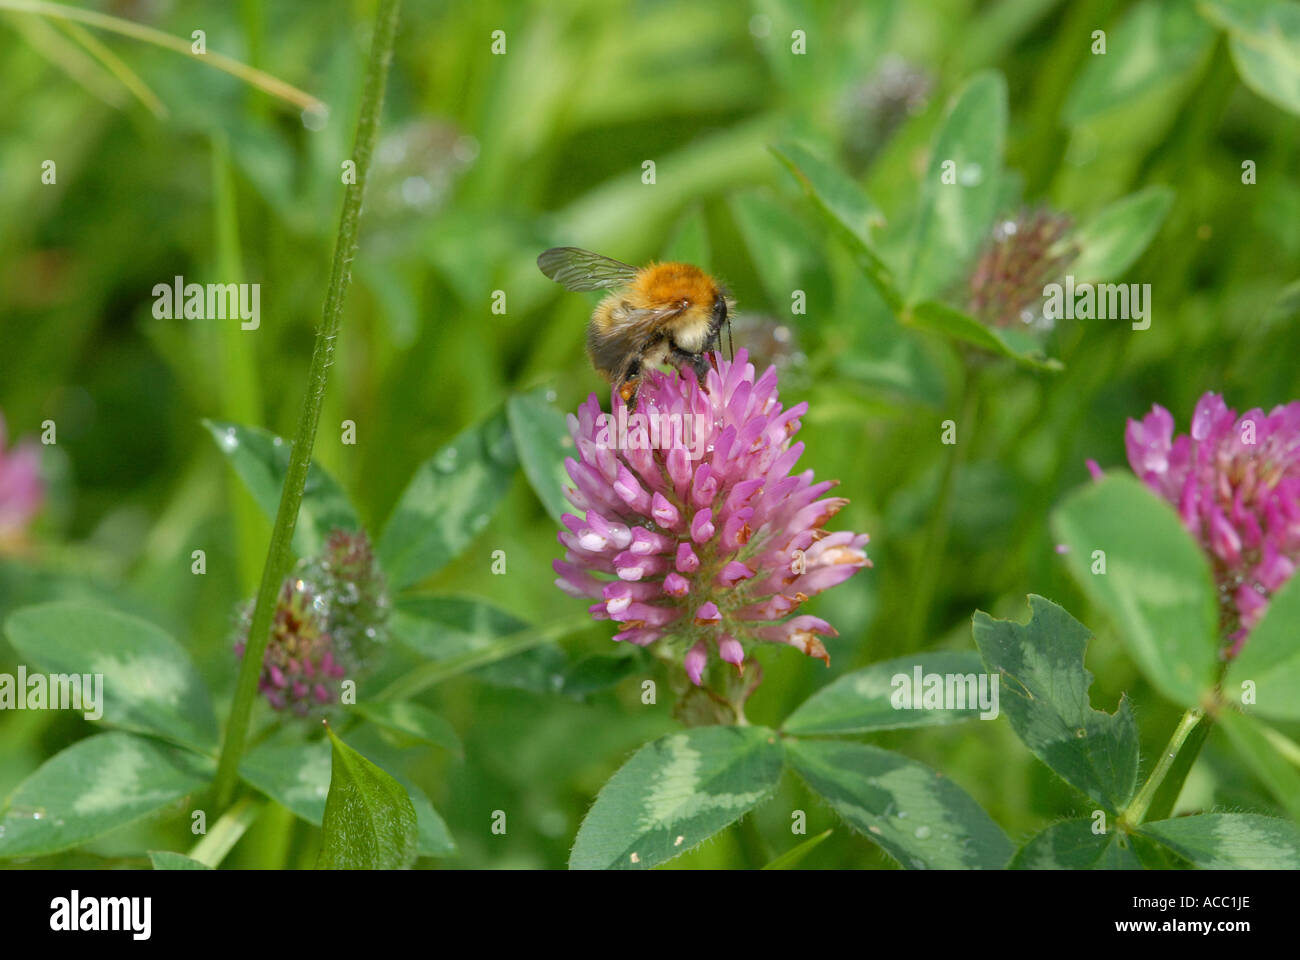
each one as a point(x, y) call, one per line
point(662, 313)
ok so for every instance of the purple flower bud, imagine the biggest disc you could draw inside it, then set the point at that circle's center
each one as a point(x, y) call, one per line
point(695, 660)
point(702, 525)
point(708, 614)
point(733, 573)
point(730, 650)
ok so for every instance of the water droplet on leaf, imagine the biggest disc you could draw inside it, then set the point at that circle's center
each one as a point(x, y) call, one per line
point(446, 460)
point(971, 175)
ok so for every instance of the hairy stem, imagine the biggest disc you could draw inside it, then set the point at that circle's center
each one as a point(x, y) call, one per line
point(279, 556)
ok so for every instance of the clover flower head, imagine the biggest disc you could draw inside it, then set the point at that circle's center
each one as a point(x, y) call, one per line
point(21, 488)
point(350, 579)
point(1235, 481)
point(1023, 255)
point(329, 614)
point(872, 110)
point(300, 670)
point(695, 533)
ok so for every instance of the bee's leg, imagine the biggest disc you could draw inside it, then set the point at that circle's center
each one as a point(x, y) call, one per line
point(629, 382)
point(701, 366)
point(699, 362)
point(628, 392)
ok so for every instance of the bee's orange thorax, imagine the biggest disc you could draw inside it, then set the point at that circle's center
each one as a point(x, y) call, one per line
point(661, 283)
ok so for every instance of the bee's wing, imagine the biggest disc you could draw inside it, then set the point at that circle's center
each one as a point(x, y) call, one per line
point(576, 269)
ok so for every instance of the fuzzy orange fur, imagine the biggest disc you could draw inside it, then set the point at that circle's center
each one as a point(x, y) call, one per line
point(661, 283)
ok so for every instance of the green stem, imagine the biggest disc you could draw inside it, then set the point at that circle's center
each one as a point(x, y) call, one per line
point(279, 555)
point(225, 833)
point(1136, 811)
point(240, 394)
point(928, 566)
point(756, 848)
point(1054, 76)
point(1283, 744)
point(1162, 806)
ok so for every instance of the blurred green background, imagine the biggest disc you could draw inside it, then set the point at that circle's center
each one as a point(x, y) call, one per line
point(486, 160)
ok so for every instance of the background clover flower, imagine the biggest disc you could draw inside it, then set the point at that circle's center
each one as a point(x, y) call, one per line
point(707, 555)
point(1023, 255)
point(350, 579)
point(330, 613)
point(1235, 482)
point(21, 488)
point(871, 111)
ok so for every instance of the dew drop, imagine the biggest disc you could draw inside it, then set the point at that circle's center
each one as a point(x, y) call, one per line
point(971, 175)
point(446, 460)
point(922, 833)
point(502, 447)
point(465, 149)
point(902, 814)
point(315, 118)
point(229, 440)
point(553, 823)
point(417, 192)
point(550, 396)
